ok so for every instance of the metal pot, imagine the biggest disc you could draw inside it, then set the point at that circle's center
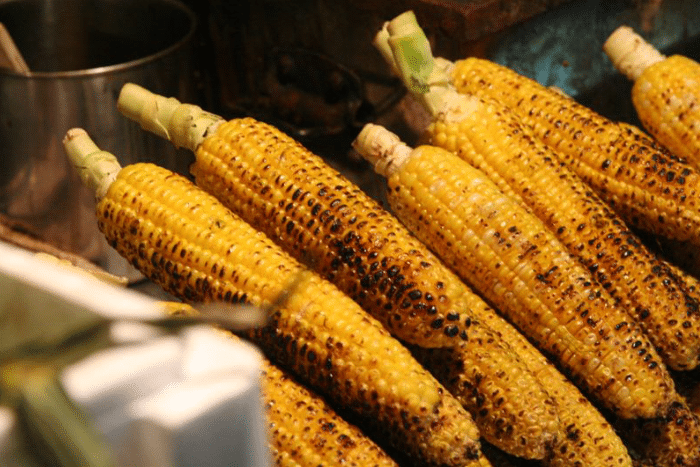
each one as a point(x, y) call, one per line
point(80, 53)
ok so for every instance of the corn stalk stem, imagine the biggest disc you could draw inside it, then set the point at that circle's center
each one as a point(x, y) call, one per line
point(406, 49)
point(382, 148)
point(630, 53)
point(184, 125)
point(97, 169)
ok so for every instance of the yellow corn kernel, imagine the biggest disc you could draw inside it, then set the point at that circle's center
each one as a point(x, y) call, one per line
point(511, 258)
point(186, 241)
point(665, 93)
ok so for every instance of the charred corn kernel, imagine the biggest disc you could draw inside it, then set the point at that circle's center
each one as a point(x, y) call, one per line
point(669, 441)
point(665, 93)
point(186, 241)
point(504, 413)
point(510, 257)
point(650, 188)
point(305, 430)
point(321, 218)
point(532, 173)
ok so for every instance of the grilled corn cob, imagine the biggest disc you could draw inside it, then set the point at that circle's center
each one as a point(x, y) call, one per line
point(187, 242)
point(321, 218)
point(651, 188)
point(640, 282)
point(531, 173)
point(510, 257)
point(665, 92)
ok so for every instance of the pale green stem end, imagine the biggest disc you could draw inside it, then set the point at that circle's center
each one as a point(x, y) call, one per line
point(411, 51)
point(184, 125)
point(97, 169)
point(381, 43)
point(382, 149)
point(406, 49)
point(630, 53)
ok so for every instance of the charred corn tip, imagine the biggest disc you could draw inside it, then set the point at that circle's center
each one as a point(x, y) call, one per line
point(630, 53)
point(185, 125)
point(97, 169)
point(381, 148)
point(512, 410)
point(304, 428)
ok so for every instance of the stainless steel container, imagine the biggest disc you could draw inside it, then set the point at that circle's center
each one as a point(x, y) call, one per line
point(81, 52)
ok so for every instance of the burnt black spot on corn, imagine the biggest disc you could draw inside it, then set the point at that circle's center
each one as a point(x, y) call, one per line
point(672, 440)
point(200, 251)
point(533, 174)
point(501, 249)
point(648, 186)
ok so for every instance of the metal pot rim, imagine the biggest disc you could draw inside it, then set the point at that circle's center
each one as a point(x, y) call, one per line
point(110, 69)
